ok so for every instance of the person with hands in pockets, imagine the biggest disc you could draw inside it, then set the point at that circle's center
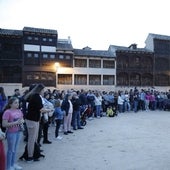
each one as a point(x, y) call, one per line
point(13, 121)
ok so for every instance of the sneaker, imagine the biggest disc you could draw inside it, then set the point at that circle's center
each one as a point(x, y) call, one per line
point(30, 159)
point(17, 167)
point(69, 131)
point(58, 138)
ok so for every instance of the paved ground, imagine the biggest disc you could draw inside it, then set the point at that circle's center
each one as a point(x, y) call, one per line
point(130, 141)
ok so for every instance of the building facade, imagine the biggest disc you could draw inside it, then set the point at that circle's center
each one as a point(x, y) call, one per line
point(135, 66)
point(10, 56)
point(29, 56)
point(39, 55)
point(160, 45)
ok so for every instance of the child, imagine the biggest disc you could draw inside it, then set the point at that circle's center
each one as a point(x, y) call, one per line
point(58, 117)
point(111, 112)
point(2, 151)
point(13, 120)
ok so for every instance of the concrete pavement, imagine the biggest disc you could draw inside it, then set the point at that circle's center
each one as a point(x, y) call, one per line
point(130, 141)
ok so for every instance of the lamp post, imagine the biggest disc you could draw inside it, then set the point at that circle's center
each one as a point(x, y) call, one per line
point(57, 65)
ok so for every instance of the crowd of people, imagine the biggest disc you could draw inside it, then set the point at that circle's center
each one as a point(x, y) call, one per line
point(36, 109)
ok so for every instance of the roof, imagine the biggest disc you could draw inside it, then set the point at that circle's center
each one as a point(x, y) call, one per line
point(158, 36)
point(97, 53)
point(10, 32)
point(128, 49)
point(64, 46)
point(40, 30)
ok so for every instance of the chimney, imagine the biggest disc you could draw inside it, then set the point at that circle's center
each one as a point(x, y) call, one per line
point(69, 40)
point(133, 46)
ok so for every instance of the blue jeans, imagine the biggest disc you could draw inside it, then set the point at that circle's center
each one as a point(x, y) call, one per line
point(98, 107)
point(13, 139)
point(135, 106)
point(76, 119)
point(120, 107)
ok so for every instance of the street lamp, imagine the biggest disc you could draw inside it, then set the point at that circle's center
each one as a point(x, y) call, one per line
point(57, 65)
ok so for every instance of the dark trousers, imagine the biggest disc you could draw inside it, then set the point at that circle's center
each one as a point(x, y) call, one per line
point(40, 133)
point(45, 131)
point(58, 123)
point(43, 128)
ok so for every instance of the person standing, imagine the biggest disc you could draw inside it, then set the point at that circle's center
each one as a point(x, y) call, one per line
point(3, 101)
point(76, 111)
point(12, 120)
point(2, 151)
point(98, 104)
point(67, 106)
point(35, 109)
point(45, 117)
point(58, 117)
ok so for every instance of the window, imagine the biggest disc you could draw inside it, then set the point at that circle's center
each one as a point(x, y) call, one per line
point(29, 55)
point(94, 79)
point(64, 79)
point(80, 79)
point(137, 60)
point(36, 38)
point(31, 58)
point(108, 64)
point(36, 55)
point(52, 56)
point(80, 62)
point(108, 79)
point(44, 39)
point(36, 76)
point(95, 63)
point(68, 57)
point(43, 76)
point(50, 77)
point(50, 39)
point(45, 55)
point(29, 38)
point(61, 56)
point(29, 77)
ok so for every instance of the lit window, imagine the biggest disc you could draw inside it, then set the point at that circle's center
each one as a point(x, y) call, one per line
point(64, 79)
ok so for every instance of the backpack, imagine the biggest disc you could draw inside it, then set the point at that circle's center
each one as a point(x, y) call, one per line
point(37, 153)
